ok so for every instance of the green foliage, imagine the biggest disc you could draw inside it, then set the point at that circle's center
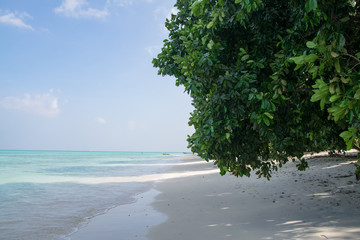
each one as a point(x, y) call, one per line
point(256, 70)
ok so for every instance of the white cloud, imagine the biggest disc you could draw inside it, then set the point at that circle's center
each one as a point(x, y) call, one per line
point(100, 120)
point(80, 9)
point(153, 50)
point(172, 11)
point(118, 3)
point(162, 12)
point(134, 125)
point(42, 104)
point(15, 19)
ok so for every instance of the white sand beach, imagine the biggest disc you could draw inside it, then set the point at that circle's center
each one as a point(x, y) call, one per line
point(192, 201)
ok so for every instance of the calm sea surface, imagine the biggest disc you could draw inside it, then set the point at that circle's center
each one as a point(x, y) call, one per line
point(47, 195)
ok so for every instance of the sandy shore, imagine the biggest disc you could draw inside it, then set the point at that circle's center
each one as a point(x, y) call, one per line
point(320, 203)
point(193, 202)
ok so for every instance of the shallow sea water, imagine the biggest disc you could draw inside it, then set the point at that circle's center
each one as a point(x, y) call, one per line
point(47, 195)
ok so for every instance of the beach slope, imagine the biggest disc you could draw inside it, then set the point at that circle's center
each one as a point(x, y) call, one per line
point(320, 203)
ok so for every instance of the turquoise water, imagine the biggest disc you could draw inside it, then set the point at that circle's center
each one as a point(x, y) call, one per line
point(47, 195)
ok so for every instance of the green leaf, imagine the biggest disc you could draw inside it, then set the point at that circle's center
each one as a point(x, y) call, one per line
point(320, 93)
point(351, 117)
point(344, 80)
point(304, 59)
point(319, 83)
point(260, 65)
point(251, 96)
point(183, 38)
point(345, 19)
point(346, 135)
point(338, 112)
point(298, 67)
point(349, 137)
point(335, 79)
point(337, 66)
point(243, 51)
point(269, 115)
point(227, 136)
point(311, 58)
point(245, 57)
point(357, 94)
point(334, 54)
point(310, 5)
point(316, 97)
point(298, 60)
point(223, 170)
point(314, 70)
point(322, 103)
point(211, 44)
point(310, 44)
point(196, 8)
point(266, 121)
point(333, 98)
point(341, 41)
point(210, 24)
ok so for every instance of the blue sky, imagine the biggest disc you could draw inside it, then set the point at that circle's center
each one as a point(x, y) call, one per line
point(77, 75)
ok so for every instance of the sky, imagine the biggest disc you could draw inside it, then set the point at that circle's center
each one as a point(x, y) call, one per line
point(77, 75)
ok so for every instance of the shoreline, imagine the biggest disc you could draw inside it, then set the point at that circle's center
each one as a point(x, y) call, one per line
point(127, 221)
point(130, 220)
point(192, 201)
point(322, 202)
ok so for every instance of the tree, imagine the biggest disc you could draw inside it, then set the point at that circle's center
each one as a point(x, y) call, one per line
point(269, 79)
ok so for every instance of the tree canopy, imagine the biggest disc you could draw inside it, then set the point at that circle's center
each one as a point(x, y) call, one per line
point(270, 79)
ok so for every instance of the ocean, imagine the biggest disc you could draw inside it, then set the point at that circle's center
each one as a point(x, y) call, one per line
point(48, 195)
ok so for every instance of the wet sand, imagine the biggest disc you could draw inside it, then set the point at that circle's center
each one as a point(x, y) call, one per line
point(320, 203)
point(193, 202)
